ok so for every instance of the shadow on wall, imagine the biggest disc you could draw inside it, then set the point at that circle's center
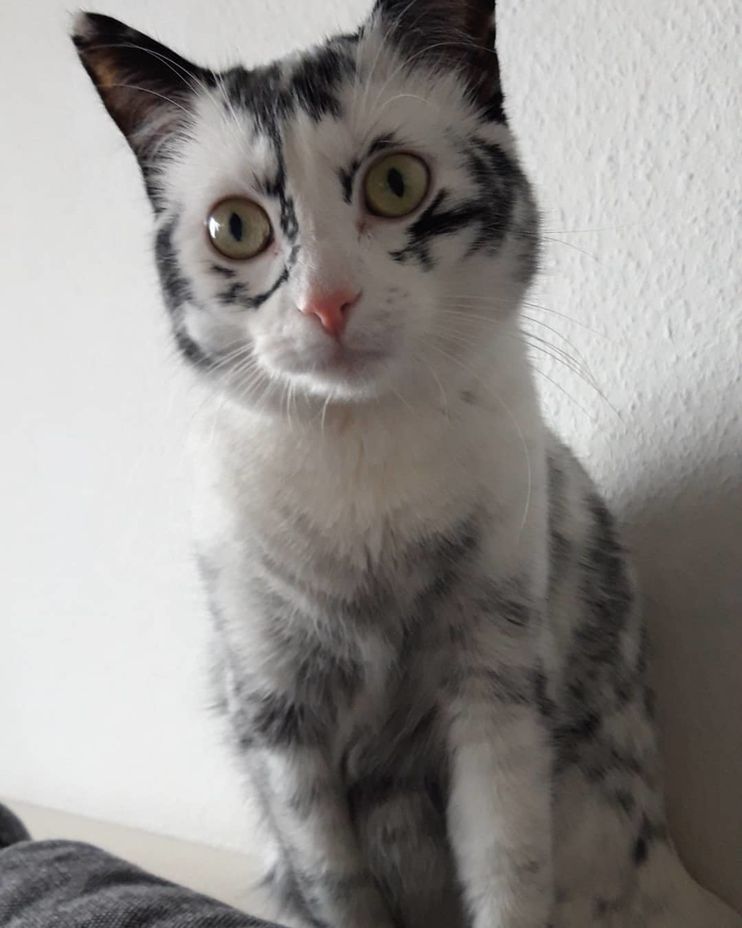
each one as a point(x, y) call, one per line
point(687, 544)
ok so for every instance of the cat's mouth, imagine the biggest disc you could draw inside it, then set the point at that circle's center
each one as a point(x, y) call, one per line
point(349, 359)
point(329, 356)
point(345, 367)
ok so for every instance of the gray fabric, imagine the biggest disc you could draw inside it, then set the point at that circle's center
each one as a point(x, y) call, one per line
point(12, 829)
point(62, 884)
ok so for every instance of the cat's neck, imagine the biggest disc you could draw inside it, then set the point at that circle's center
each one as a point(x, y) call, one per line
point(356, 469)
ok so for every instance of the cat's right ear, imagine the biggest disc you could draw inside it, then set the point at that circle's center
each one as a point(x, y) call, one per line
point(147, 88)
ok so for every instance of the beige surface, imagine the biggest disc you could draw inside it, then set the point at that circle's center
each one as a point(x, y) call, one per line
point(221, 874)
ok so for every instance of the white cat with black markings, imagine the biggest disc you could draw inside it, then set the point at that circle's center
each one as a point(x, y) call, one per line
point(428, 645)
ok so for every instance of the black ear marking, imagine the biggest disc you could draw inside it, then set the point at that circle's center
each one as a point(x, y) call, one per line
point(459, 20)
point(146, 87)
point(458, 34)
point(480, 20)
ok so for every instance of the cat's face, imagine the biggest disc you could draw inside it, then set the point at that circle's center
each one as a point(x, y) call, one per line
point(345, 224)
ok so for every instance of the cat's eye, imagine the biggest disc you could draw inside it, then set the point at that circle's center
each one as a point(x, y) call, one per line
point(239, 229)
point(396, 185)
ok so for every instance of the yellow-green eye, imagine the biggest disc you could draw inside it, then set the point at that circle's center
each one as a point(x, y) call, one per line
point(239, 229)
point(396, 185)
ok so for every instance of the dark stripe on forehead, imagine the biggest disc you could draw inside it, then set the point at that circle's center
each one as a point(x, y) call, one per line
point(316, 79)
point(311, 84)
point(259, 92)
point(276, 188)
point(273, 94)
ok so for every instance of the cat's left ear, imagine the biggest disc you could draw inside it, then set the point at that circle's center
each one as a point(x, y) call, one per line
point(459, 34)
point(147, 89)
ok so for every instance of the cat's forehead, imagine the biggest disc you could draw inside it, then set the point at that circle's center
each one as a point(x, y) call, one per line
point(320, 112)
point(309, 83)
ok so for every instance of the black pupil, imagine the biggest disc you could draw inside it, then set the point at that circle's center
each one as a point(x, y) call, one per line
point(396, 182)
point(236, 227)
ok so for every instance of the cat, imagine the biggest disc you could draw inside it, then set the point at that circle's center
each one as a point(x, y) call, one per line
point(428, 645)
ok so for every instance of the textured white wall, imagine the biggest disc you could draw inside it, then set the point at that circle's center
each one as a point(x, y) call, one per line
point(629, 117)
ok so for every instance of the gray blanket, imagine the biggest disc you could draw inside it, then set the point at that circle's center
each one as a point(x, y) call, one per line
point(63, 884)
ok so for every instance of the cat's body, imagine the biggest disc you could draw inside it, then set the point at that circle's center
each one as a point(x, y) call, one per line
point(395, 620)
point(427, 638)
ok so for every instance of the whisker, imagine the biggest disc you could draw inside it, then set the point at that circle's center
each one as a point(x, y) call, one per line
point(569, 396)
point(559, 358)
point(557, 241)
point(403, 400)
point(324, 414)
point(436, 378)
point(489, 300)
point(579, 366)
point(516, 424)
point(152, 93)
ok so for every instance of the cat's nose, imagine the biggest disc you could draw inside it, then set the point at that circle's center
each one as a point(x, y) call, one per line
point(331, 308)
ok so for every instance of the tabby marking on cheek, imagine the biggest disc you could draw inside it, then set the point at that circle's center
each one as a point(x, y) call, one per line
point(234, 293)
point(177, 292)
point(238, 295)
point(436, 221)
point(176, 286)
point(489, 216)
point(226, 272)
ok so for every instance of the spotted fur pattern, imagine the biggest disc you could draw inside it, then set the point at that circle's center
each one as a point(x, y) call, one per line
point(428, 646)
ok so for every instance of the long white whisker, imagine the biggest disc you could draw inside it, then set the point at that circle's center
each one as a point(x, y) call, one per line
point(152, 93)
point(516, 424)
point(475, 319)
point(577, 366)
point(534, 343)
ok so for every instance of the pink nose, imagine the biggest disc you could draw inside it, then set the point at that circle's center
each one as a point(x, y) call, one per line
point(331, 308)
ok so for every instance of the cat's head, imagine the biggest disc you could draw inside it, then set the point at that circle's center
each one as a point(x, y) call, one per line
point(349, 222)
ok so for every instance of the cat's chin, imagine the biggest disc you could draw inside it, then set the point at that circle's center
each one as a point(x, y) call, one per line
point(346, 382)
point(345, 374)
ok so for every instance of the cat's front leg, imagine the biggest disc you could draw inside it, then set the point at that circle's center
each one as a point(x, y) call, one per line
point(325, 880)
point(499, 814)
